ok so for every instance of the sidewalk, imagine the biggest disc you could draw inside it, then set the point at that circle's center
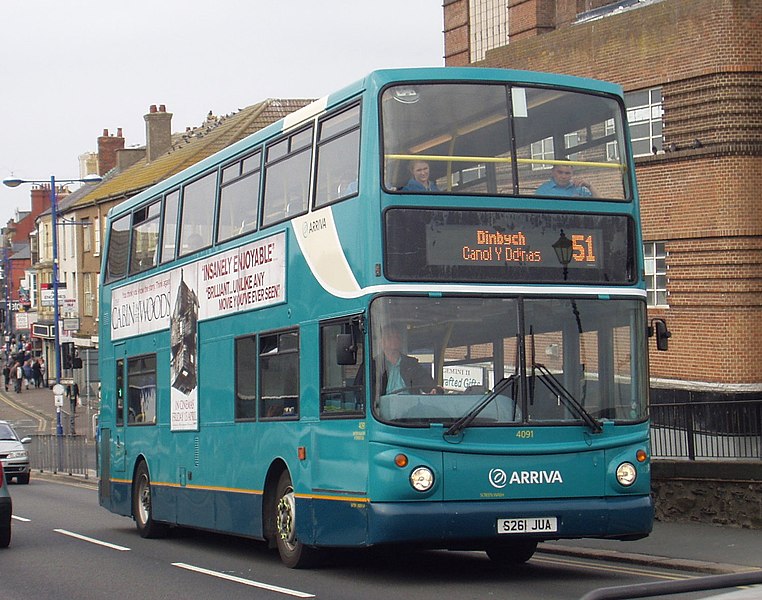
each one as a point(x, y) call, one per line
point(697, 547)
point(33, 412)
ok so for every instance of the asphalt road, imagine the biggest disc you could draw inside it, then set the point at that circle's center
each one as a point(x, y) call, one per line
point(65, 546)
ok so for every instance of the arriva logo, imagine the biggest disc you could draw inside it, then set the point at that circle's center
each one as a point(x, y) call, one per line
point(522, 477)
point(499, 478)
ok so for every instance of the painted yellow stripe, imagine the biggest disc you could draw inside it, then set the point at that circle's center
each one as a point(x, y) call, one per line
point(333, 498)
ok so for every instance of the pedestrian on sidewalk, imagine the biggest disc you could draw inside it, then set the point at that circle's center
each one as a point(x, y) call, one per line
point(37, 373)
point(43, 372)
point(7, 374)
point(28, 374)
point(18, 377)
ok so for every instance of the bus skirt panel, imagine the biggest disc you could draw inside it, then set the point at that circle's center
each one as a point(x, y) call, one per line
point(447, 523)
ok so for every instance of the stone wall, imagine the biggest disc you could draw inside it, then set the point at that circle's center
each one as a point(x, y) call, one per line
point(717, 493)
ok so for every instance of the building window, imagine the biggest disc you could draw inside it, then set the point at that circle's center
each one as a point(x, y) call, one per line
point(644, 114)
point(97, 236)
point(86, 236)
point(655, 254)
point(489, 26)
point(88, 307)
point(542, 151)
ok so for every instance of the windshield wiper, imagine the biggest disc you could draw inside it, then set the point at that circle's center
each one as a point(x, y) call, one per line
point(468, 418)
point(555, 386)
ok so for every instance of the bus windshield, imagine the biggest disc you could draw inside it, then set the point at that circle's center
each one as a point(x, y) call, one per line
point(451, 138)
point(568, 360)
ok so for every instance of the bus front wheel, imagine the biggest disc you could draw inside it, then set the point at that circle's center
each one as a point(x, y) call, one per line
point(293, 553)
point(142, 507)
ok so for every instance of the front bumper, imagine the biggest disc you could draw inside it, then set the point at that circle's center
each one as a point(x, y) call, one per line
point(448, 523)
point(13, 467)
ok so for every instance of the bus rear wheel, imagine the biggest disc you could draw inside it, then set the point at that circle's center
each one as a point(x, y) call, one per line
point(515, 553)
point(293, 553)
point(142, 508)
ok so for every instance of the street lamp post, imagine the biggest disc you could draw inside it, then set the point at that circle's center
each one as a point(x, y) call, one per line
point(90, 180)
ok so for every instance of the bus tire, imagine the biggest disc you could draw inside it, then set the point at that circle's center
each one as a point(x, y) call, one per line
point(515, 553)
point(293, 553)
point(5, 536)
point(142, 508)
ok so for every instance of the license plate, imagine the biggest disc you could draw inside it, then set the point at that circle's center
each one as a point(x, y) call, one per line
point(528, 525)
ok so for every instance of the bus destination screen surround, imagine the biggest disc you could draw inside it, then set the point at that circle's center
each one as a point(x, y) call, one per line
point(499, 246)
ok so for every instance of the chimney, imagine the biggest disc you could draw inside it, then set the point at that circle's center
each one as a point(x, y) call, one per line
point(158, 132)
point(108, 145)
point(126, 157)
point(40, 199)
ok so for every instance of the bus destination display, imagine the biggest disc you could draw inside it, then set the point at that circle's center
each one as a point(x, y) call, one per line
point(502, 246)
point(465, 244)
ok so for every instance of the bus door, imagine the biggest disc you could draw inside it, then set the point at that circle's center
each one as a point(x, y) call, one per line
point(340, 464)
point(117, 447)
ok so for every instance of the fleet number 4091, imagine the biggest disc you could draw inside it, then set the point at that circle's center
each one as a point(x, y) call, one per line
point(528, 525)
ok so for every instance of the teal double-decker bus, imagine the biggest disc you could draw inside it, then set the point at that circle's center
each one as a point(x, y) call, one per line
point(412, 312)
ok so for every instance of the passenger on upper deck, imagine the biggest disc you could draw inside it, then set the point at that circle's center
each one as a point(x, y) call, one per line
point(563, 183)
point(419, 182)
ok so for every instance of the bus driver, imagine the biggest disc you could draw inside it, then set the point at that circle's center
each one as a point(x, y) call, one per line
point(402, 372)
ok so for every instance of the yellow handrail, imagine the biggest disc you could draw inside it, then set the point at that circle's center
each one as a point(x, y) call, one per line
point(496, 159)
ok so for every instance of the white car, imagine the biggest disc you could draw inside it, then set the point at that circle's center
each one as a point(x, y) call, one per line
point(13, 455)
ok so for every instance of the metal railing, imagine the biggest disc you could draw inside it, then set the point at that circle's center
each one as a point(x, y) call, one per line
point(60, 454)
point(707, 430)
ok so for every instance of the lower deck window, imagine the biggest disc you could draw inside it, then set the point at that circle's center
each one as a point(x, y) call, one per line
point(141, 390)
point(279, 375)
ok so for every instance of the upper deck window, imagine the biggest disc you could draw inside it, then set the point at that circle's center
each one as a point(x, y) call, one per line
point(287, 177)
point(145, 238)
point(239, 198)
point(456, 138)
point(338, 156)
point(118, 248)
point(197, 214)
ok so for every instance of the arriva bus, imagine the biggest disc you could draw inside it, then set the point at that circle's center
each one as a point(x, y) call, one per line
point(412, 312)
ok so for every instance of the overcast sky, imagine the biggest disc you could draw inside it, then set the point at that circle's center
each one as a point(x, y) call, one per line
point(71, 68)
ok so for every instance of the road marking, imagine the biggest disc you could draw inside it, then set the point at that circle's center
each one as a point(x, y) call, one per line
point(42, 421)
point(91, 540)
point(249, 582)
point(612, 568)
point(20, 519)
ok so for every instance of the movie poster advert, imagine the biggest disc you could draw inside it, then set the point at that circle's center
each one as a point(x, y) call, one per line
point(183, 350)
point(140, 308)
point(252, 276)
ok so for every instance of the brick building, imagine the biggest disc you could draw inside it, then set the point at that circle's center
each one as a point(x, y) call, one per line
point(692, 75)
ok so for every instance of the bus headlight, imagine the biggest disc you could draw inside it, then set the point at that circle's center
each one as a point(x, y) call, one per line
point(626, 474)
point(422, 479)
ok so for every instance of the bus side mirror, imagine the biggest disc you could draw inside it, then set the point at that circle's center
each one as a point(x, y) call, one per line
point(346, 350)
point(659, 329)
